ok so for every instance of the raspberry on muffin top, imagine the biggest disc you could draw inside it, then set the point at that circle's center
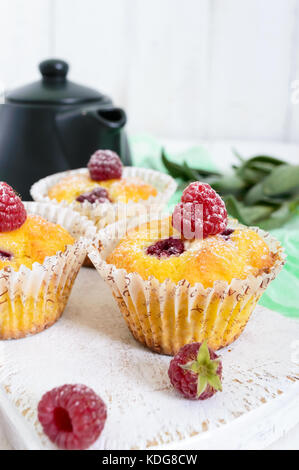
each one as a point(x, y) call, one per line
point(103, 182)
point(25, 238)
point(12, 210)
point(202, 261)
point(105, 165)
point(200, 213)
point(220, 254)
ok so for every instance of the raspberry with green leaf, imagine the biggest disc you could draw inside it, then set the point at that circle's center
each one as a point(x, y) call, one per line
point(196, 371)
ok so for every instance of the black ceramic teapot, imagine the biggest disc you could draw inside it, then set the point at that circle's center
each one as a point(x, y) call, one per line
point(54, 125)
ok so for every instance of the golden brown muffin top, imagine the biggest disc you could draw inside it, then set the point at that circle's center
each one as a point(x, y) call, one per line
point(205, 261)
point(119, 190)
point(36, 239)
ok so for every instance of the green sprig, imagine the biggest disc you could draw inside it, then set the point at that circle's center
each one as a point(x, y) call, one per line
point(261, 190)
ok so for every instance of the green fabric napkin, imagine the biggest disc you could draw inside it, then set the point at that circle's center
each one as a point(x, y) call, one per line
point(283, 293)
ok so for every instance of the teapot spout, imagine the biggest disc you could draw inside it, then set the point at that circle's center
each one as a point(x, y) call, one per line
point(111, 118)
point(83, 131)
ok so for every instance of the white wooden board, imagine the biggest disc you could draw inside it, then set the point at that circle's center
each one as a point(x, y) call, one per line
point(91, 345)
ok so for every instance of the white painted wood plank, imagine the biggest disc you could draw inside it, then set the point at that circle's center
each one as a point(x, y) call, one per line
point(92, 36)
point(251, 57)
point(195, 69)
point(168, 82)
point(4, 444)
point(91, 344)
point(24, 39)
point(148, 55)
point(293, 128)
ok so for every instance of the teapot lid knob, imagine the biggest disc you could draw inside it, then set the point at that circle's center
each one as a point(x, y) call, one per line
point(54, 69)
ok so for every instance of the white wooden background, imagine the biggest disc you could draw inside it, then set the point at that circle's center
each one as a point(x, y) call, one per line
point(186, 69)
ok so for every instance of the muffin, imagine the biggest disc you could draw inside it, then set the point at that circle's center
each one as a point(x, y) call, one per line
point(42, 249)
point(106, 191)
point(173, 288)
point(80, 187)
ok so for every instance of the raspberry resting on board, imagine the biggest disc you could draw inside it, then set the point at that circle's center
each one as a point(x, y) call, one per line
point(196, 371)
point(72, 416)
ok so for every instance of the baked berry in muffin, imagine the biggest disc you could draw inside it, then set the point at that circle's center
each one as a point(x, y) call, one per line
point(219, 257)
point(103, 182)
point(188, 277)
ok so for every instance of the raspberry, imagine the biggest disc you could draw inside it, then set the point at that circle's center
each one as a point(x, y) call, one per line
point(196, 371)
point(12, 210)
point(105, 165)
point(189, 217)
point(96, 195)
point(72, 416)
point(5, 255)
point(165, 248)
point(227, 233)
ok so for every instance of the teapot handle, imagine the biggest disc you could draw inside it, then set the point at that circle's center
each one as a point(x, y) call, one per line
point(111, 118)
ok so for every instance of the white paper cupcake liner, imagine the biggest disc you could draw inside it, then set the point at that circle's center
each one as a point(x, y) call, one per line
point(165, 316)
point(33, 299)
point(103, 214)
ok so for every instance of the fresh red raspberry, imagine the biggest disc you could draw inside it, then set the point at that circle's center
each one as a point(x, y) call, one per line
point(165, 248)
point(201, 210)
point(12, 210)
point(96, 195)
point(72, 416)
point(105, 165)
point(187, 219)
point(196, 371)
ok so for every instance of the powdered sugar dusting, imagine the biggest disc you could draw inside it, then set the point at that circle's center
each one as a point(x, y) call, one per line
point(92, 344)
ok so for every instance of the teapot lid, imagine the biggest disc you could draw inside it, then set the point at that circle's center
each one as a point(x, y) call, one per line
point(54, 88)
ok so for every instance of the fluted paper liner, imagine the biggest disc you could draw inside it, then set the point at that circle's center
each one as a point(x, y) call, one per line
point(33, 299)
point(103, 214)
point(165, 316)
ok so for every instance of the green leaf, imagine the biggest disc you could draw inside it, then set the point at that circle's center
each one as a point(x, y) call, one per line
point(283, 179)
point(205, 369)
point(236, 153)
point(184, 171)
point(215, 382)
point(252, 214)
point(262, 167)
point(261, 159)
point(255, 194)
point(231, 184)
point(192, 366)
point(190, 172)
point(279, 217)
point(251, 175)
point(261, 190)
point(203, 355)
point(248, 215)
point(202, 383)
point(174, 169)
point(234, 209)
point(267, 159)
point(256, 168)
